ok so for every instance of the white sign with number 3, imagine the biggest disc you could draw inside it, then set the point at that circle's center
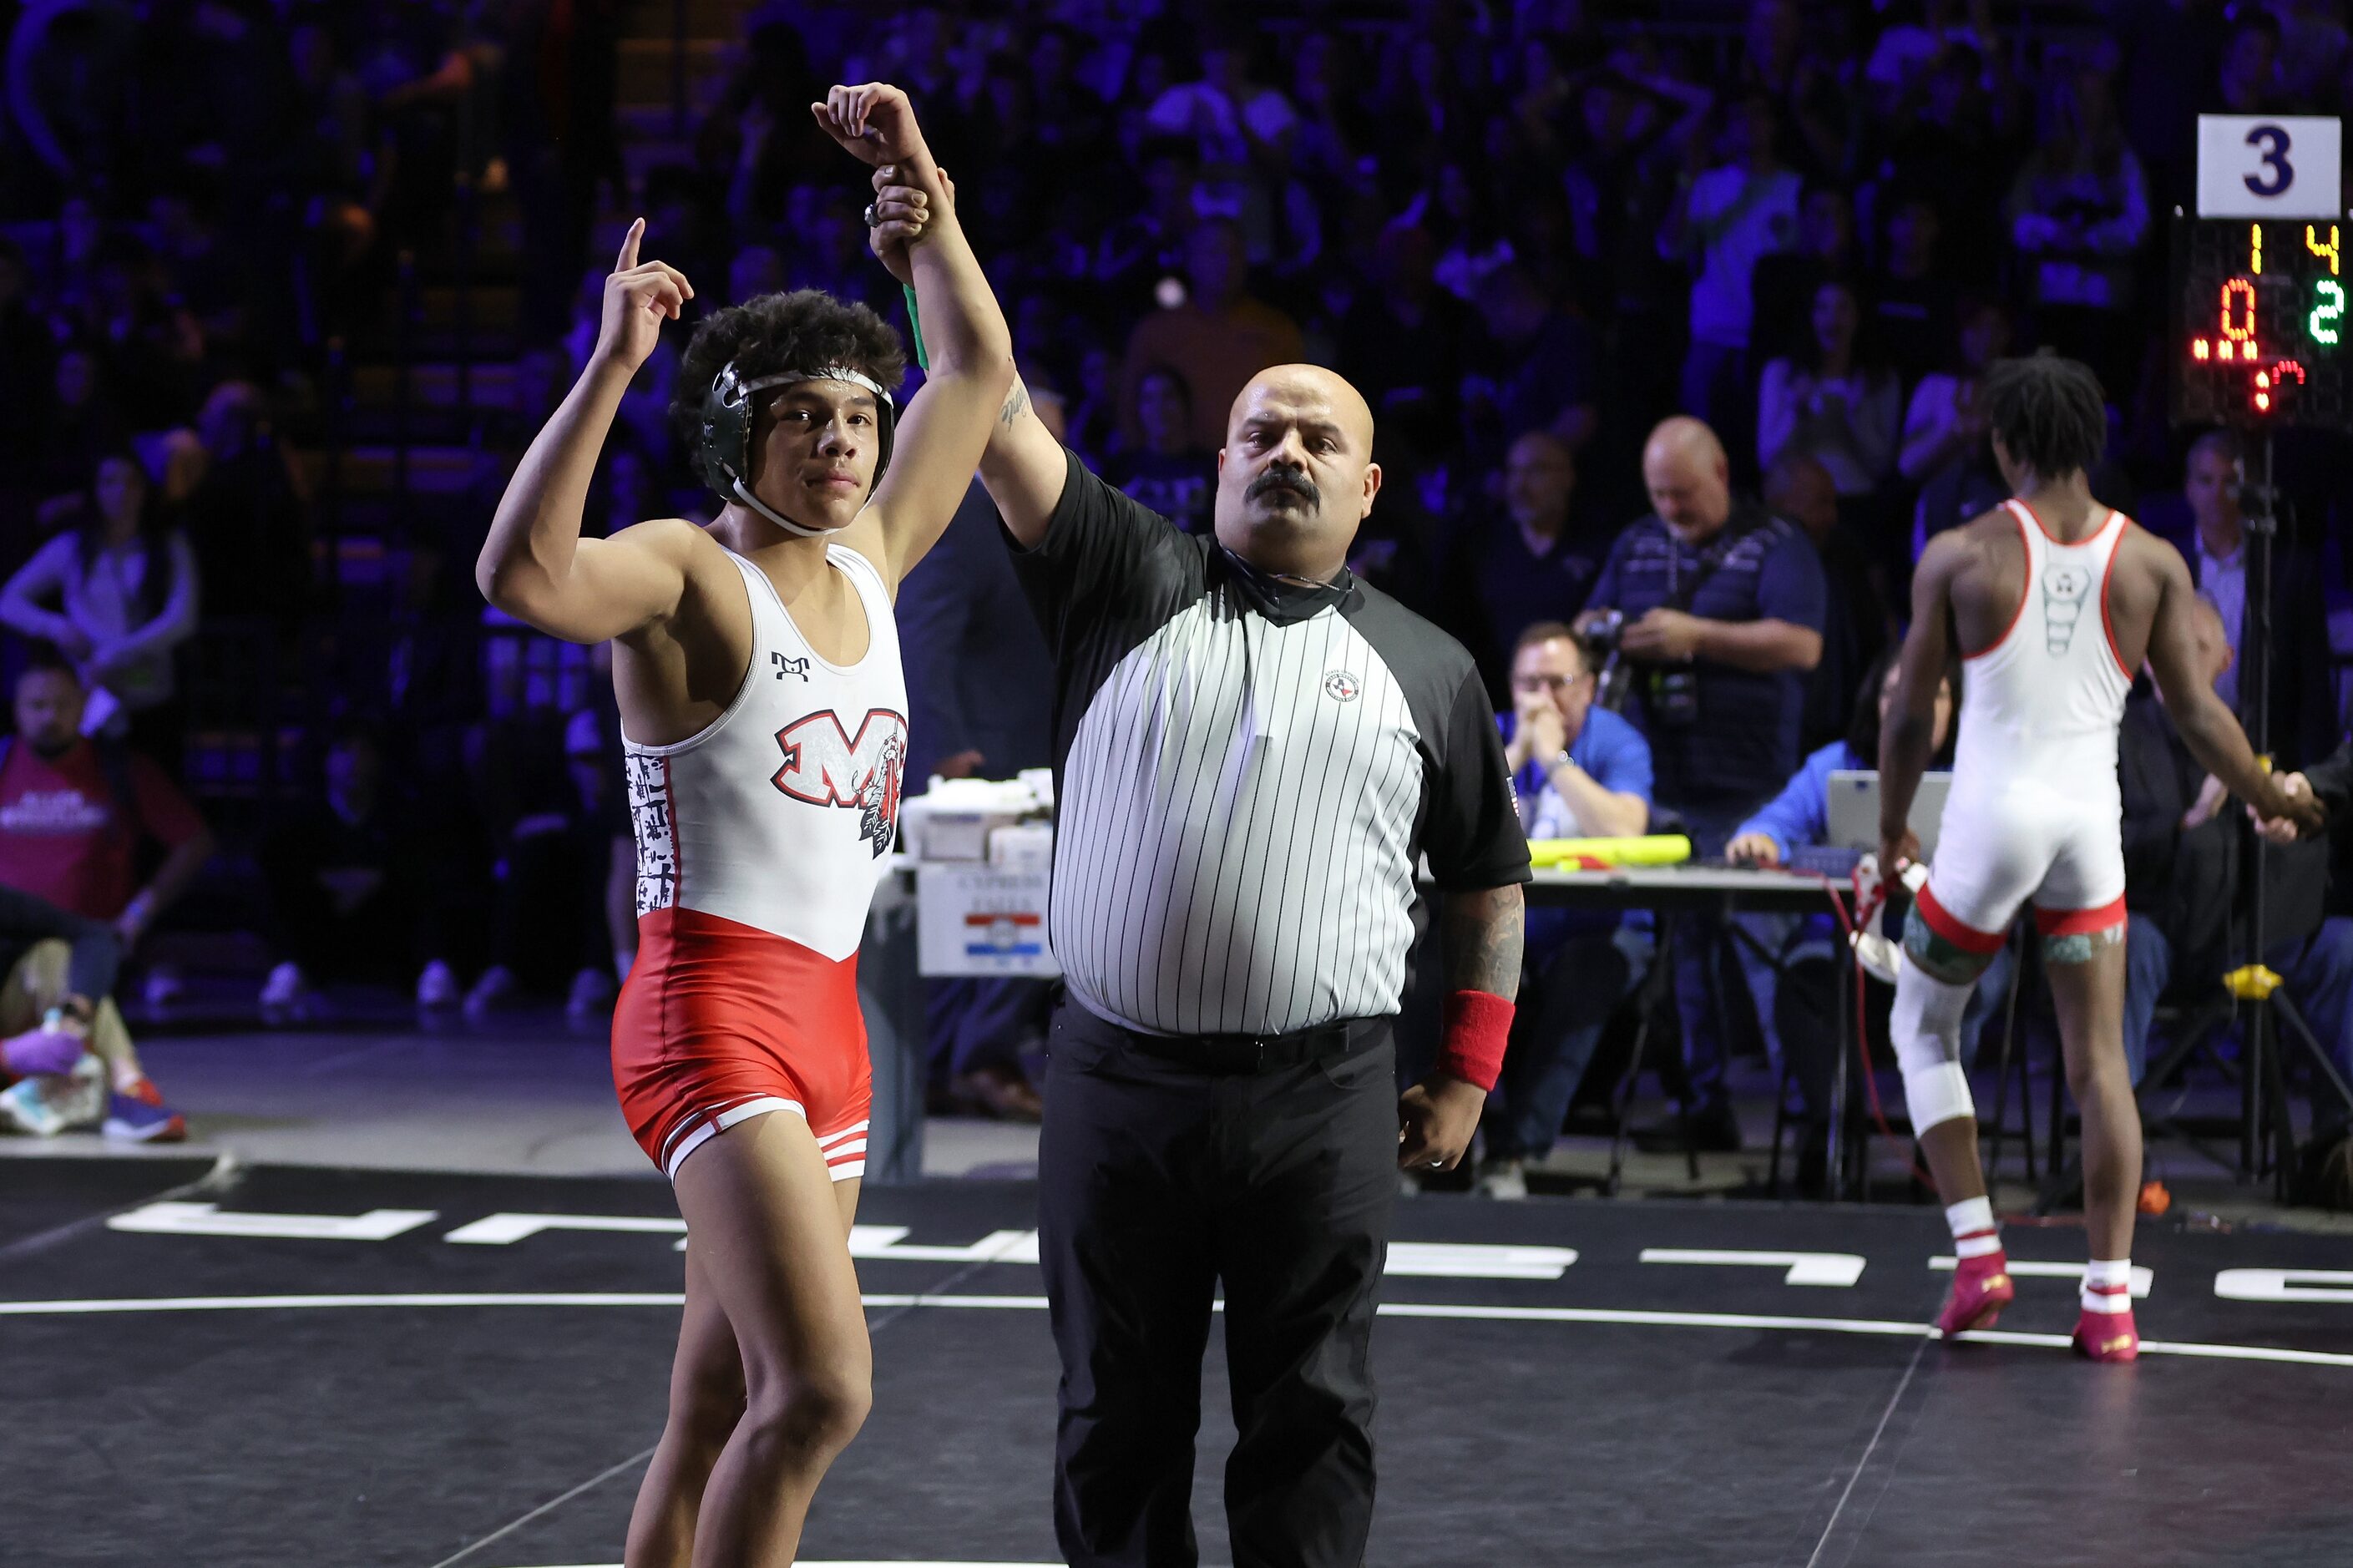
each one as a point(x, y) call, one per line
point(2254, 165)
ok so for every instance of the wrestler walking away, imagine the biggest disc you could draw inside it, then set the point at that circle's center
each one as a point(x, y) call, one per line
point(2052, 600)
point(764, 712)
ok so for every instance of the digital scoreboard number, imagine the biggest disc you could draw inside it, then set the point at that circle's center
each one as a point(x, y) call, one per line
point(2261, 327)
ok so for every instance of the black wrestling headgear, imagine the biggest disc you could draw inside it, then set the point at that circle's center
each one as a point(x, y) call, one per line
point(724, 451)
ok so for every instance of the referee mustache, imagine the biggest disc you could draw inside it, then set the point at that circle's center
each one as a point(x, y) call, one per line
point(1284, 477)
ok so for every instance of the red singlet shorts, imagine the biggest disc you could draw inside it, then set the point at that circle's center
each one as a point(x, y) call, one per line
point(721, 1021)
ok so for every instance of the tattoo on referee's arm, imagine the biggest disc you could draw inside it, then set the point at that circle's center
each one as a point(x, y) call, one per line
point(1483, 930)
point(1016, 401)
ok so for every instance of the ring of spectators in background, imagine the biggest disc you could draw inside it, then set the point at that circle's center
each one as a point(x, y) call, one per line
point(1527, 232)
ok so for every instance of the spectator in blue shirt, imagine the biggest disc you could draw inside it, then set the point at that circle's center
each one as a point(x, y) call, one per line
point(1722, 606)
point(1579, 772)
point(1790, 961)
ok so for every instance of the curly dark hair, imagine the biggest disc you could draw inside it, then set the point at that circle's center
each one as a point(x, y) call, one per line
point(2048, 412)
point(805, 329)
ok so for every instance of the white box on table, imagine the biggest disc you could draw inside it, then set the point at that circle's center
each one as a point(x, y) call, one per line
point(1023, 847)
point(983, 921)
point(952, 819)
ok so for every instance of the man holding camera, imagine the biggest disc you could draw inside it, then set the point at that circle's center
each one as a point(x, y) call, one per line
point(1719, 608)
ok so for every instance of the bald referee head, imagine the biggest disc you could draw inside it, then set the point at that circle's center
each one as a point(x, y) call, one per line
point(1296, 474)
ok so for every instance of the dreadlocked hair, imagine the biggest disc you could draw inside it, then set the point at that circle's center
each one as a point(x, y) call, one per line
point(806, 331)
point(2048, 412)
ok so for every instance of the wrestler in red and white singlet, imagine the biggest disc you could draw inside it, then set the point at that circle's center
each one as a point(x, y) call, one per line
point(760, 840)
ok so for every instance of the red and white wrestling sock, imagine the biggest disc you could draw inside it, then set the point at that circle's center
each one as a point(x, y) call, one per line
point(1982, 1286)
point(2104, 1331)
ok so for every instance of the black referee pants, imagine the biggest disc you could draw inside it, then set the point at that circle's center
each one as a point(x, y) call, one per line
point(1156, 1183)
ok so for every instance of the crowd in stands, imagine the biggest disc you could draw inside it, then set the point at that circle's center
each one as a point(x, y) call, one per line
point(1529, 232)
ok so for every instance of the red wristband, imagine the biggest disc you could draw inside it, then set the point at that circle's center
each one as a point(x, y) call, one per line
point(1477, 1028)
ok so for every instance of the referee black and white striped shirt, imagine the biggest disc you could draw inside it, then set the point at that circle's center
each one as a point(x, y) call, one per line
point(1249, 771)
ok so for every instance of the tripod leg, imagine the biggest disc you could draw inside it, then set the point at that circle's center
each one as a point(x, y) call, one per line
point(2313, 1047)
point(2251, 1071)
point(2275, 1107)
point(1620, 1097)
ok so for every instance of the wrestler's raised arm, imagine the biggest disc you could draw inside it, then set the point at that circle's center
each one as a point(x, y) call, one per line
point(534, 566)
point(1024, 468)
point(971, 351)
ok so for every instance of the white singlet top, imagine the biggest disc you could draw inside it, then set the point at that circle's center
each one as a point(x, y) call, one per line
point(779, 813)
point(2045, 700)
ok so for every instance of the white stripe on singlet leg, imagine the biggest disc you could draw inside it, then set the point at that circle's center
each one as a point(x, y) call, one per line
point(701, 1127)
point(853, 1131)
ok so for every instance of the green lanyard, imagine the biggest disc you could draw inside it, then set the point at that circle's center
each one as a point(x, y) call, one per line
point(915, 326)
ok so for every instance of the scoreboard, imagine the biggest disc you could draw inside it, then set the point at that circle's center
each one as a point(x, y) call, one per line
point(2262, 331)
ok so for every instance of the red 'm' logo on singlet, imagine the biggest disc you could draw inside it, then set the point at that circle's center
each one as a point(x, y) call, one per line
point(826, 765)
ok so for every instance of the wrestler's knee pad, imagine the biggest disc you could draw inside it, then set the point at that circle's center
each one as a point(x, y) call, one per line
point(1926, 1023)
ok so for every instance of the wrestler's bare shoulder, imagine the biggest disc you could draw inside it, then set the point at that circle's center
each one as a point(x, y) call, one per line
point(677, 539)
point(1989, 539)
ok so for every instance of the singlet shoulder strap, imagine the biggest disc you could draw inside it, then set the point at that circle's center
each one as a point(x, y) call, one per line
point(2030, 540)
point(2032, 536)
point(2103, 538)
point(881, 616)
point(865, 573)
point(764, 602)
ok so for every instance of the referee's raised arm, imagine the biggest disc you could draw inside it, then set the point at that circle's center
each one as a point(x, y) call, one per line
point(1024, 468)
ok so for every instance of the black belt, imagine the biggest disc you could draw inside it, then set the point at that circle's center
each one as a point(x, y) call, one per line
point(1256, 1053)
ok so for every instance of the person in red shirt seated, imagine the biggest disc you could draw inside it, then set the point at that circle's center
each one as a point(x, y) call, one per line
point(73, 814)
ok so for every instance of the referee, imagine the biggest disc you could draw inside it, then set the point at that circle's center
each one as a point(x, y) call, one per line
point(1254, 752)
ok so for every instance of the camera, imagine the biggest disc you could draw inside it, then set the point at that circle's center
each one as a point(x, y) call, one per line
point(1671, 696)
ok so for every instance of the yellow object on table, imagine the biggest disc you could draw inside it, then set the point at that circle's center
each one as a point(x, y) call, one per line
point(1594, 854)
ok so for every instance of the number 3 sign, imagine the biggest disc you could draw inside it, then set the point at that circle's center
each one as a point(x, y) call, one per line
point(2253, 165)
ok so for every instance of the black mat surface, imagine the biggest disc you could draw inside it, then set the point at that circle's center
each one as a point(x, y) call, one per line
point(403, 1434)
point(37, 1199)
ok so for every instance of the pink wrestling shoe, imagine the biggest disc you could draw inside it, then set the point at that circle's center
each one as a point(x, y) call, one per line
point(2107, 1332)
point(1981, 1289)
